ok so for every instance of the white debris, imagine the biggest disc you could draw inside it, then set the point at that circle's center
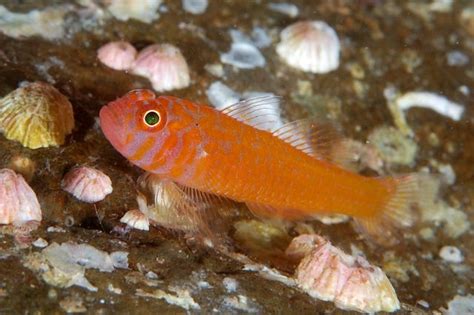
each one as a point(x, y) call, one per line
point(221, 96)
point(285, 8)
point(230, 284)
point(216, 69)
point(398, 104)
point(451, 254)
point(204, 284)
point(151, 275)
point(446, 170)
point(40, 243)
point(423, 303)
point(269, 273)
point(86, 256)
point(145, 11)
point(260, 37)
point(460, 305)
point(438, 103)
point(442, 6)
point(182, 298)
point(55, 229)
point(239, 302)
point(195, 6)
point(64, 265)
point(454, 222)
point(392, 146)
point(48, 23)
point(464, 90)
point(457, 58)
point(113, 289)
point(243, 55)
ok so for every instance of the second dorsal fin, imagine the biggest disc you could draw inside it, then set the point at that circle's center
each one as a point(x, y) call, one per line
point(313, 137)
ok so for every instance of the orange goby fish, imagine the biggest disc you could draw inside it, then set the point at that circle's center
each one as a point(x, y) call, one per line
point(281, 173)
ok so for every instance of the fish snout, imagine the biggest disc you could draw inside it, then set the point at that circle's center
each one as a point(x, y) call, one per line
point(112, 126)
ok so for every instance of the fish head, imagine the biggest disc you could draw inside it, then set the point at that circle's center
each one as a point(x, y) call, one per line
point(134, 124)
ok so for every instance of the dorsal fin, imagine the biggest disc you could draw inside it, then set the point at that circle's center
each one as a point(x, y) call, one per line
point(261, 112)
point(316, 138)
point(313, 137)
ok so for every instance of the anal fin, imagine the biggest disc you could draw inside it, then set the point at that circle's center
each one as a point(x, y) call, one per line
point(269, 212)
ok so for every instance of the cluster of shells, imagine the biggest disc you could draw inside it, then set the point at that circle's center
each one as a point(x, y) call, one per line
point(310, 46)
point(329, 274)
point(163, 64)
point(37, 116)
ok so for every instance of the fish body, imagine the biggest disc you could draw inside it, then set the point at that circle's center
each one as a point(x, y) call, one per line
point(210, 151)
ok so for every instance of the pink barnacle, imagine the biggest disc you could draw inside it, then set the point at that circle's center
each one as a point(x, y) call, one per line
point(18, 202)
point(329, 274)
point(87, 184)
point(164, 66)
point(117, 55)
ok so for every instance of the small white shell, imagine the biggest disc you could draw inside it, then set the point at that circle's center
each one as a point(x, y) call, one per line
point(145, 11)
point(37, 115)
point(311, 46)
point(136, 219)
point(451, 254)
point(18, 202)
point(87, 184)
point(329, 274)
point(164, 66)
point(195, 6)
point(23, 165)
point(117, 55)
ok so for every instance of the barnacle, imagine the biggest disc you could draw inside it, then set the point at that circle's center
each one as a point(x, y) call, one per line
point(311, 46)
point(117, 55)
point(87, 184)
point(164, 66)
point(37, 115)
point(18, 202)
point(329, 274)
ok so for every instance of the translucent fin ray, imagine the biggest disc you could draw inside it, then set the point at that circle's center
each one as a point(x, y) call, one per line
point(183, 208)
point(261, 112)
point(265, 212)
point(398, 212)
point(313, 137)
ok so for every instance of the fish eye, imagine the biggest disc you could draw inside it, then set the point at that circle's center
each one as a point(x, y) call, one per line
point(151, 118)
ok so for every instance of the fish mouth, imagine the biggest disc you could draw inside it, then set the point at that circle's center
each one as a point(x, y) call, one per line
point(112, 126)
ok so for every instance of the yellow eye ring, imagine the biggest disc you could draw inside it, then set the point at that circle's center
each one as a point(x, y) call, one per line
point(151, 118)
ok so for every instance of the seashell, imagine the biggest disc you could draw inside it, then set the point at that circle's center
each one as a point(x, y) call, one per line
point(117, 55)
point(87, 184)
point(144, 11)
point(367, 290)
point(37, 115)
point(136, 219)
point(18, 202)
point(302, 245)
point(329, 274)
point(311, 46)
point(164, 66)
point(195, 6)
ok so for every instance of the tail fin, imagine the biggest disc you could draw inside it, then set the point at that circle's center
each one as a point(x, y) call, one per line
point(398, 212)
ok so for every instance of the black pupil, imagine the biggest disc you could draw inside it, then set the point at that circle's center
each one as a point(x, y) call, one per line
point(152, 118)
